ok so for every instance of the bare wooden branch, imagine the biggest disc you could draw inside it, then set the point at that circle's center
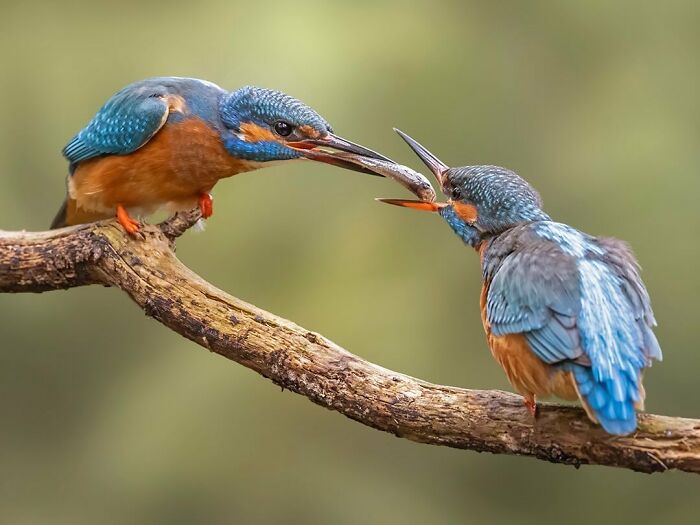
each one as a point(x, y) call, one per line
point(309, 364)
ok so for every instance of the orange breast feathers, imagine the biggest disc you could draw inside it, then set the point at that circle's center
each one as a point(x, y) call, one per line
point(182, 161)
point(529, 375)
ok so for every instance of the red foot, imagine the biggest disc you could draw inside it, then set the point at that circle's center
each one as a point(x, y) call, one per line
point(131, 226)
point(531, 405)
point(206, 205)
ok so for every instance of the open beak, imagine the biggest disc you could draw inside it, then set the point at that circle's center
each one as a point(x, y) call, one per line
point(415, 205)
point(337, 151)
point(434, 164)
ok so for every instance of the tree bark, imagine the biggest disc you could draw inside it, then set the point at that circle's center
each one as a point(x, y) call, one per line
point(311, 365)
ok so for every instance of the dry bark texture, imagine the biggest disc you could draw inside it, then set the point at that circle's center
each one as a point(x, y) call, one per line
point(309, 364)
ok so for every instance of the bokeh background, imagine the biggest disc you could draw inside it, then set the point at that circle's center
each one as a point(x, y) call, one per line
point(107, 417)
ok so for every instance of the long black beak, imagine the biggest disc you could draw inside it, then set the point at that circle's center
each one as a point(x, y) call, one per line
point(335, 150)
point(434, 164)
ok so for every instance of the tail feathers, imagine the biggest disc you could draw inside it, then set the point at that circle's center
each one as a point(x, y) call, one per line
point(59, 221)
point(69, 214)
point(610, 402)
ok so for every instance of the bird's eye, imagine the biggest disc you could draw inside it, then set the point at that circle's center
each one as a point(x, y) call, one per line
point(282, 128)
point(456, 193)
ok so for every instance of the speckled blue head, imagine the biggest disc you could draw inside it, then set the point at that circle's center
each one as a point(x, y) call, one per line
point(264, 121)
point(483, 200)
point(264, 125)
point(265, 107)
point(500, 198)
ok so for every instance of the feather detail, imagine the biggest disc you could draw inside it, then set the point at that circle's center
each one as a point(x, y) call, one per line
point(560, 300)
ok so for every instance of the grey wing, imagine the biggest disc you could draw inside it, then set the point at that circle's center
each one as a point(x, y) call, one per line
point(535, 291)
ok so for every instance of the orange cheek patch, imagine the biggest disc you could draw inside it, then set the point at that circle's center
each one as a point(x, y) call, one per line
point(310, 132)
point(253, 133)
point(466, 212)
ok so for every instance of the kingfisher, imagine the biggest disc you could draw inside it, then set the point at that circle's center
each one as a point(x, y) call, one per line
point(565, 313)
point(163, 143)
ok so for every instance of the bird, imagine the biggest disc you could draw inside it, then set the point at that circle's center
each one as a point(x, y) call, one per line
point(566, 314)
point(164, 142)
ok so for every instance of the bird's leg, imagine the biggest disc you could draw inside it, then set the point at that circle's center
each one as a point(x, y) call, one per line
point(531, 404)
point(206, 205)
point(131, 226)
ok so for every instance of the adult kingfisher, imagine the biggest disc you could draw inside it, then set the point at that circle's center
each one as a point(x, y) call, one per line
point(163, 143)
point(565, 313)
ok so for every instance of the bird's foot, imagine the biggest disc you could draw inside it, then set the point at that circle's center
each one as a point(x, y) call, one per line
point(206, 205)
point(531, 405)
point(131, 226)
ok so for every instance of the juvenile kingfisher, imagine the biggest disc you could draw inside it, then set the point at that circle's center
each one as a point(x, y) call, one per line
point(565, 313)
point(165, 142)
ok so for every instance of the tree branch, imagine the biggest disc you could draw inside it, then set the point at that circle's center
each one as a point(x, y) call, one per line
point(309, 364)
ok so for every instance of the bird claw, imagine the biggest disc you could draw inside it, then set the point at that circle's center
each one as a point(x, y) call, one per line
point(531, 406)
point(206, 205)
point(130, 225)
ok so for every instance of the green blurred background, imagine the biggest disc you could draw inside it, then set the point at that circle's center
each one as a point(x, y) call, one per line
point(108, 417)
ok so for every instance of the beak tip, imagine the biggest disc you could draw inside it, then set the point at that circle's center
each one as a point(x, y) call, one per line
point(429, 159)
point(403, 135)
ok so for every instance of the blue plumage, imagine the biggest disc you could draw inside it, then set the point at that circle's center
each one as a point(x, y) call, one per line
point(263, 151)
point(555, 286)
point(552, 283)
point(163, 143)
point(468, 234)
point(135, 114)
point(121, 126)
point(577, 300)
point(262, 106)
point(132, 116)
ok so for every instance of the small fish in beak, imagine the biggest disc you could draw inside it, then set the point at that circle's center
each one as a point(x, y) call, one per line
point(413, 181)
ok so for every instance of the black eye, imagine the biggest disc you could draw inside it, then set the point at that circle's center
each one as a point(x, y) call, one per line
point(456, 193)
point(282, 128)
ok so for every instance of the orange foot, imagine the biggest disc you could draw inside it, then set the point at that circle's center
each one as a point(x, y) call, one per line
point(531, 405)
point(206, 205)
point(131, 226)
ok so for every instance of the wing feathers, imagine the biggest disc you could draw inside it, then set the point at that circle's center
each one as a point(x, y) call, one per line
point(125, 123)
point(582, 306)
